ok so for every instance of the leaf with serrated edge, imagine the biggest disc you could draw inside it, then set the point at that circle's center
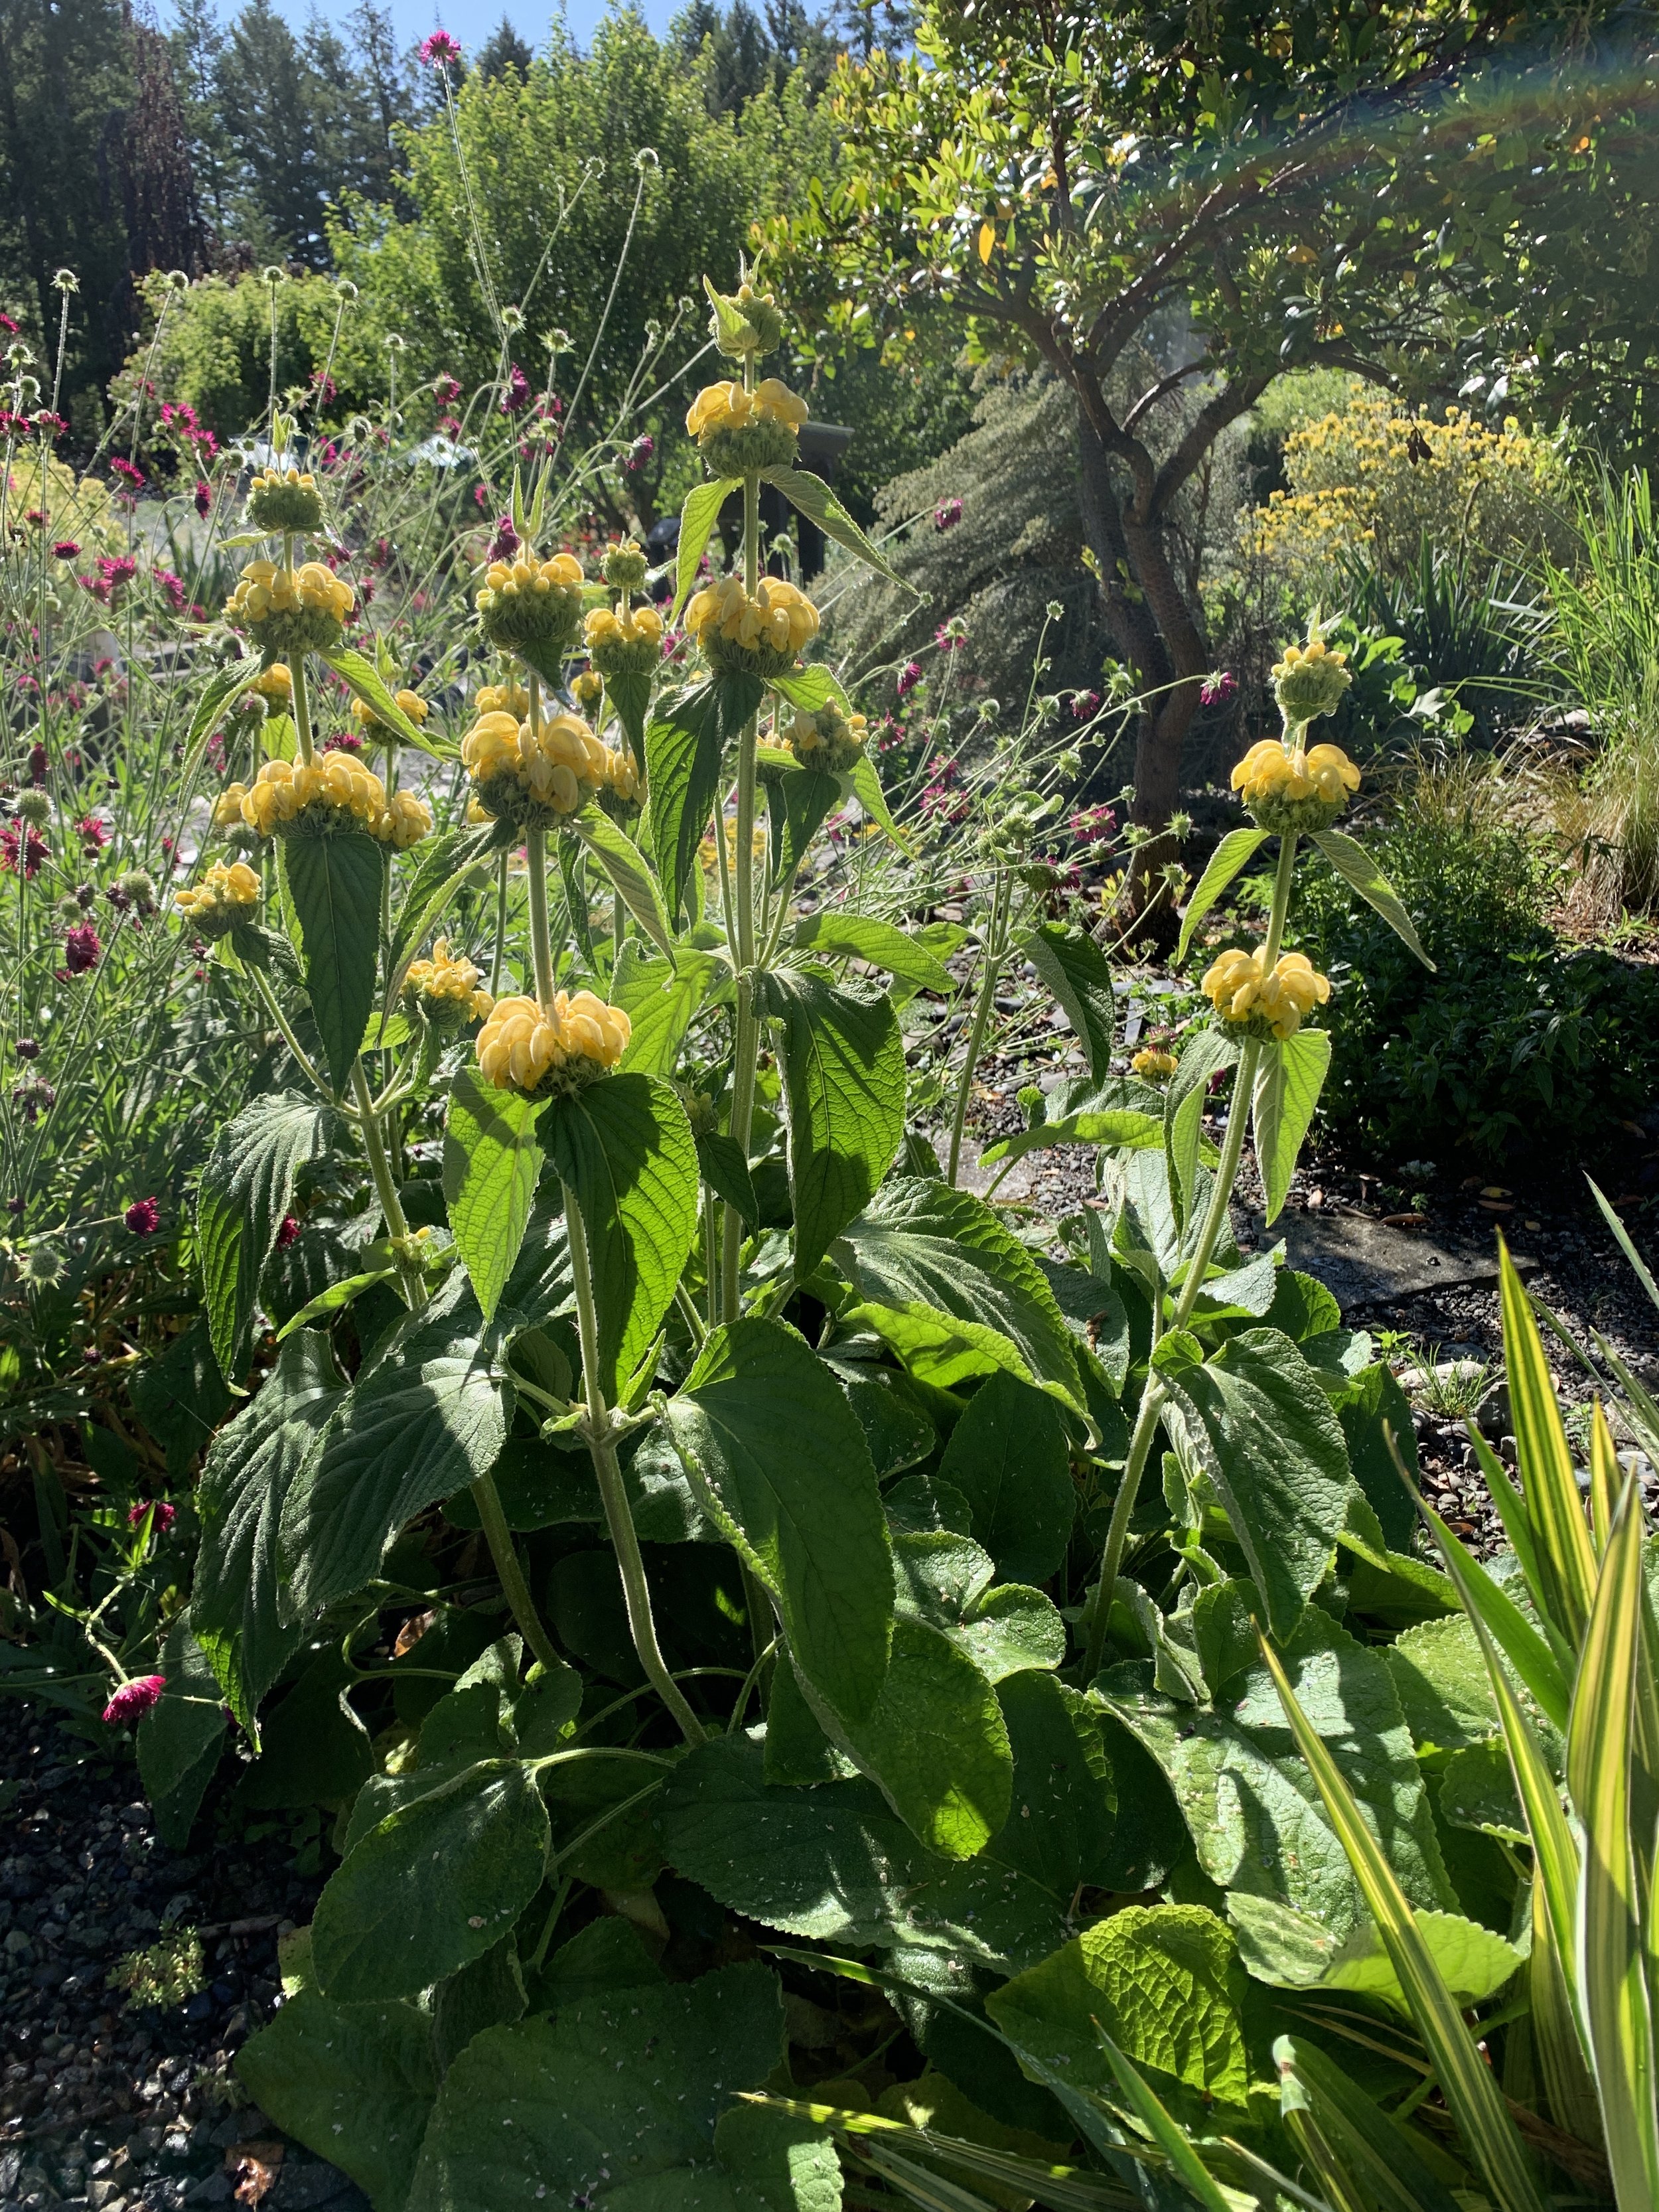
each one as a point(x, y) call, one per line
point(241, 1201)
point(371, 687)
point(685, 746)
point(1075, 969)
point(624, 862)
point(843, 1067)
point(1008, 1457)
point(1288, 1082)
point(814, 500)
point(334, 884)
point(697, 519)
point(861, 937)
point(1292, 1951)
point(492, 1161)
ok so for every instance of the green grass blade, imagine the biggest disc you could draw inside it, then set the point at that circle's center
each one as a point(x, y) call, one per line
point(1185, 2163)
point(1495, 1612)
point(1644, 1273)
point(1612, 1964)
point(1471, 2094)
point(1566, 1557)
point(1373, 2162)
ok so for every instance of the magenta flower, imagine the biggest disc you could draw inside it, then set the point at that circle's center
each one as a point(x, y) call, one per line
point(947, 515)
point(516, 395)
point(134, 475)
point(1216, 691)
point(81, 948)
point(446, 389)
point(166, 1515)
point(204, 499)
point(173, 589)
point(343, 741)
point(144, 1217)
point(439, 48)
point(134, 1699)
point(506, 542)
point(286, 1233)
point(24, 845)
point(640, 451)
point(65, 549)
point(908, 676)
point(1085, 705)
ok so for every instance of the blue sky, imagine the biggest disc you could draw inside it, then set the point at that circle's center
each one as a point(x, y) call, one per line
point(472, 20)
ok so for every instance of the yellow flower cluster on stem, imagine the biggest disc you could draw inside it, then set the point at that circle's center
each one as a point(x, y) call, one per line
point(543, 1050)
point(1153, 1064)
point(225, 896)
point(760, 630)
point(541, 771)
point(285, 501)
point(739, 431)
point(828, 739)
point(624, 640)
point(1271, 998)
point(447, 989)
point(320, 797)
point(377, 732)
point(290, 610)
point(1291, 790)
point(527, 601)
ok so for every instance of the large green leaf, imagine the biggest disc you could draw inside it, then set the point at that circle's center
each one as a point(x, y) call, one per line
point(355, 2083)
point(881, 943)
point(492, 1161)
point(1237, 847)
point(624, 1147)
point(767, 1434)
point(814, 500)
point(921, 1244)
point(1361, 873)
point(239, 1498)
point(371, 687)
point(246, 1188)
point(436, 1883)
point(628, 690)
point(426, 1419)
point(1164, 1983)
point(1252, 1809)
point(219, 695)
point(1079, 975)
point(1288, 1082)
point(946, 1581)
point(1202, 1056)
point(1256, 1421)
point(697, 519)
point(614, 2091)
point(797, 800)
point(660, 999)
point(1008, 1457)
point(1068, 1807)
point(866, 789)
point(843, 1064)
point(180, 1736)
point(624, 862)
point(684, 743)
point(334, 884)
point(1293, 1951)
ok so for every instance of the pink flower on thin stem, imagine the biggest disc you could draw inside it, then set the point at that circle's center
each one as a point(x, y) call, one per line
point(81, 948)
point(947, 515)
point(134, 1699)
point(286, 1233)
point(1216, 691)
point(908, 676)
point(439, 48)
point(133, 475)
point(165, 1515)
point(516, 393)
point(204, 499)
point(144, 1217)
point(506, 542)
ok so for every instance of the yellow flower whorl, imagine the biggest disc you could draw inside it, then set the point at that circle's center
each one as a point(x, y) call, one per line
point(738, 431)
point(544, 1051)
point(507, 698)
point(1310, 680)
point(623, 644)
point(323, 798)
point(828, 739)
point(761, 636)
point(446, 989)
point(224, 896)
point(275, 684)
point(1153, 1064)
point(379, 732)
point(709, 853)
point(1264, 1003)
point(524, 601)
point(284, 500)
point(1289, 790)
point(536, 779)
point(289, 610)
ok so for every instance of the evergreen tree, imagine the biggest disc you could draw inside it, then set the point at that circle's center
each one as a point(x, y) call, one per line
point(505, 51)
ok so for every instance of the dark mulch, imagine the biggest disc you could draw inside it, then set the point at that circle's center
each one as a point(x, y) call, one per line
point(101, 2104)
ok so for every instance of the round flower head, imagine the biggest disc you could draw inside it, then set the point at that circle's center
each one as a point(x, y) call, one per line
point(587, 689)
point(544, 1051)
point(224, 896)
point(447, 988)
point(745, 322)
point(624, 567)
point(507, 698)
point(134, 1699)
point(286, 611)
point(1265, 1003)
point(527, 602)
point(1153, 1065)
point(623, 644)
point(535, 779)
point(761, 636)
point(275, 684)
point(281, 500)
point(1289, 790)
point(828, 739)
point(1310, 680)
point(376, 732)
point(325, 798)
point(738, 431)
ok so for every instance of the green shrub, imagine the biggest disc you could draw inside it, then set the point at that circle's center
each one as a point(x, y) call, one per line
point(1519, 1039)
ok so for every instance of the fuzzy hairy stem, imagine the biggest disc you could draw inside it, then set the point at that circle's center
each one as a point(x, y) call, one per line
point(990, 974)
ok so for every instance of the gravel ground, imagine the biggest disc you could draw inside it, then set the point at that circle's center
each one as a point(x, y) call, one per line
point(102, 2105)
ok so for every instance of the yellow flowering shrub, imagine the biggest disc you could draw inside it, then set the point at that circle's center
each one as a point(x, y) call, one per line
point(828, 739)
point(1288, 789)
point(543, 1050)
point(1265, 1002)
point(289, 610)
point(761, 635)
point(224, 896)
point(1369, 478)
point(447, 989)
point(623, 641)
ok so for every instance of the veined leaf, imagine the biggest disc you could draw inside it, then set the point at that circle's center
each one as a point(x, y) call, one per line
point(1467, 2082)
point(861, 937)
point(219, 695)
point(180, 1736)
point(866, 789)
point(661, 998)
point(628, 690)
point(769, 1437)
point(491, 1163)
point(798, 801)
point(1007, 1455)
point(334, 884)
point(1238, 846)
point(1494, 1611)
point(685, 746)
point(371, 687)
point(1288, 1082)
point(624, 1147)
point(816, 501)
point(843, 1065)
point(355, 2083)
point(697, 519)
point(335, 1299)
point(810, 689)
point(1294, 1950)
point(244, 1194)
point(249, 1471)
point(624, 862)
point(1361, 873)
point(1077, 972)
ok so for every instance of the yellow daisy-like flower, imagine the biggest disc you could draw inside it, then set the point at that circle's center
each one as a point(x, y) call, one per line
point(738, 431)
point(828, 739)
point(763, 636)
point(1153, 1064)
point(290, 610)
point(534, 778)
point(323, 797)
point(378, 731)
point(546, 1050)
point(623, 643)
point(447, 988)
point(526, 602)
point(1288, 789)
point(284, 500)
point(224, 896)
point(1264, 1003)
point(1310, 680)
